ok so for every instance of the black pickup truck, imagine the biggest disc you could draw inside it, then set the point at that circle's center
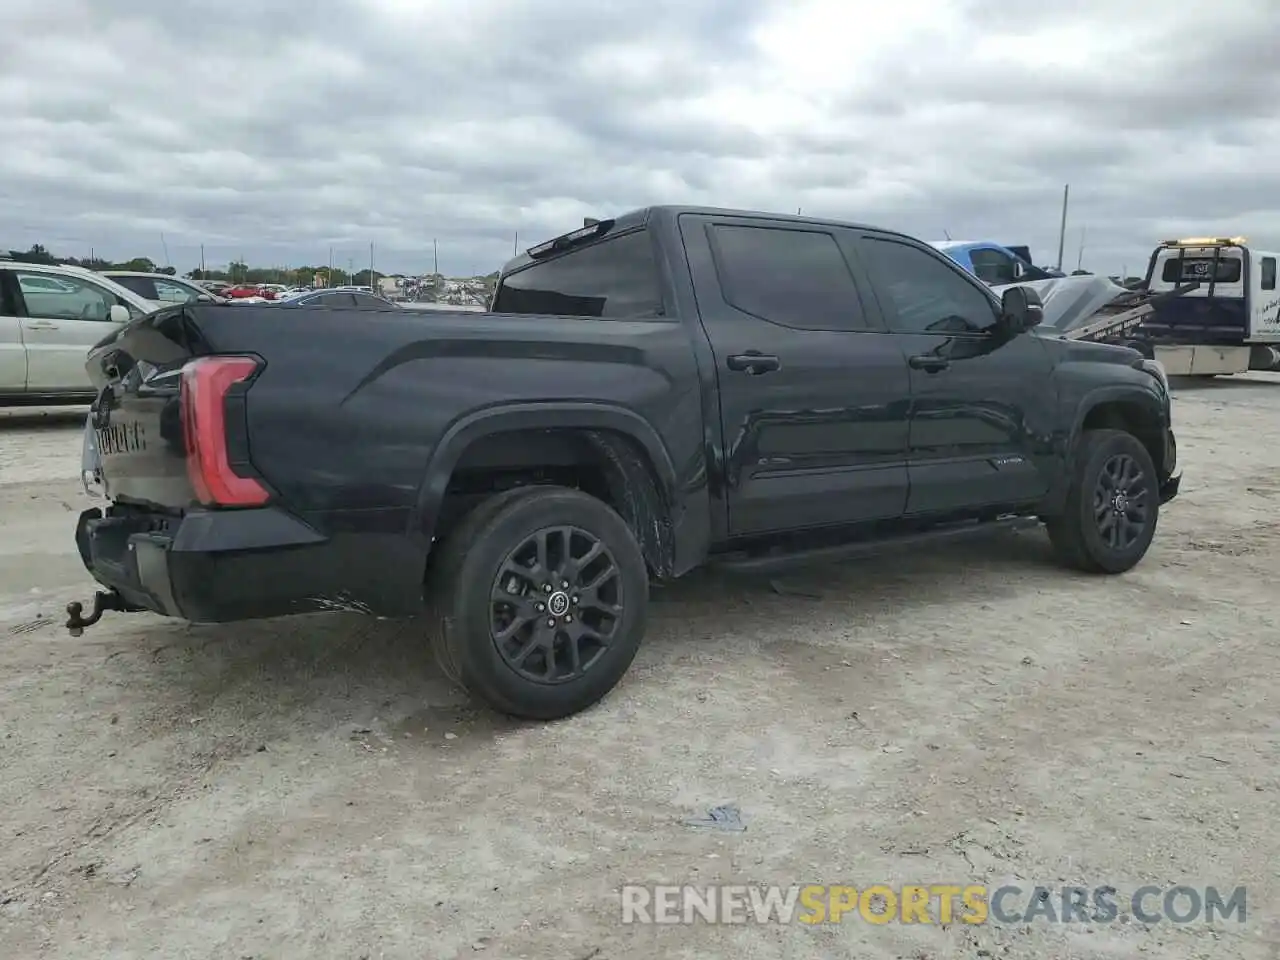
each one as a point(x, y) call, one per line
point(647, 394)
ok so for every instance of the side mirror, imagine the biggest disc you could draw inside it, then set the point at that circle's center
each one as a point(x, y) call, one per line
point(204, 298)
point(1021, 309)
point(1019, 270)
point(118, 314)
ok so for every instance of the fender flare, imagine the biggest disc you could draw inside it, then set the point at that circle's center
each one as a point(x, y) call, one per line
point(523, 415)
point(1112, 394)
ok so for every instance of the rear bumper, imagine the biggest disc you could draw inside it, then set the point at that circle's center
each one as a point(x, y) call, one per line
point(218, 566)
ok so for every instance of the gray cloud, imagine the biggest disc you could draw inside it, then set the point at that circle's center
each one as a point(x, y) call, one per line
point(278, 133)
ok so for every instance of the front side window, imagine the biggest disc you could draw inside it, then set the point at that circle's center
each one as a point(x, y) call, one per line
point(613, 279)
point(796, 278)
point(925, 294)
point(66, 298)
point(144, 287)
point(993, 266)
point(1268, 273)
point(171, 292)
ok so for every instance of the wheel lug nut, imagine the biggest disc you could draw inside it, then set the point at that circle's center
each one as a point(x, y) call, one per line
point(546, 588)
point(564, 584)
point(568, 618)
point(539, 607)
point(551, 621)
point(575, 601)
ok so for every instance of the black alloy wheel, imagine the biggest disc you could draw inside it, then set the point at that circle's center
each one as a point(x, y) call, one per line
point(1121, 501)
point(538, 601)
point(1111, 508)
point(555, 604)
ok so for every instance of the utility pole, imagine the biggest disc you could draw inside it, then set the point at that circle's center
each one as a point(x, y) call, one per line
point(372, 284)
point(165, 246)
point(328, 280)
point(202, 273)
point(515, 243)
point(1080, 258)
point(1062, 231)
point(435, 255)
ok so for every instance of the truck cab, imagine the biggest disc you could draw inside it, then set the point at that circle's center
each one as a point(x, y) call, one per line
point(1229, 321)
point(992, 263)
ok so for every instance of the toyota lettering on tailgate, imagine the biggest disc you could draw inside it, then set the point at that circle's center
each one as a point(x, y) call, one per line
point(122, 438)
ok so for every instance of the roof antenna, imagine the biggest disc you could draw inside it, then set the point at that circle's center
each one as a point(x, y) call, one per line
point(946, 233)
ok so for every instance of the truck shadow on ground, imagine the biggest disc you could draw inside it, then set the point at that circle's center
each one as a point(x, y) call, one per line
point(34, 418)
point(317, 674)
point(1179, 385)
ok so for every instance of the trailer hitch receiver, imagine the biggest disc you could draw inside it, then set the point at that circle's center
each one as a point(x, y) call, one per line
point(102, 602)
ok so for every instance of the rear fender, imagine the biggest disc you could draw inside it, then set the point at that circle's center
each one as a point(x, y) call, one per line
point(643, 479)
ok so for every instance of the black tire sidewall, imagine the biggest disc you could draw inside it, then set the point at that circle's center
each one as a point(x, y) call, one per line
point(481, 666)
point(1105, 446)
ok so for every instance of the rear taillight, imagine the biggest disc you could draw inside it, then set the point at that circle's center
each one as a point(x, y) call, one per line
point(205, 385)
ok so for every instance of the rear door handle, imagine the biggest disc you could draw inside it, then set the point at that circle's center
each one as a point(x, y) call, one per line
point(41, 325)
point(930, 362)
point(753, 363)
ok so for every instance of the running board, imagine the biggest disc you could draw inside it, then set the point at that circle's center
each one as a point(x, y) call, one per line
point(775, 562)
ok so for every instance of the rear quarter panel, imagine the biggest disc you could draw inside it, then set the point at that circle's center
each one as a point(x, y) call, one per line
point(351, 408)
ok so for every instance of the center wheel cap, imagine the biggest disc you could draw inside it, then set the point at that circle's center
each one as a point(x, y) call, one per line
point(558, 603)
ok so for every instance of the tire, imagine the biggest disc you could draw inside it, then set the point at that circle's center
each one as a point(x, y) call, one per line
point(1077, 535)
point(503, 533)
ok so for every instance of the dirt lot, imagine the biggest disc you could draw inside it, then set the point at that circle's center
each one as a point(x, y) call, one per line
point(312, 788)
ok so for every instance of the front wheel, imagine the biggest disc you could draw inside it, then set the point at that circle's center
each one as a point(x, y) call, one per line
point(1112, 504)
point(539, 598)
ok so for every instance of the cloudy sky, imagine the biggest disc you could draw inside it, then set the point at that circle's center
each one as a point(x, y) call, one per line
point(298, 125)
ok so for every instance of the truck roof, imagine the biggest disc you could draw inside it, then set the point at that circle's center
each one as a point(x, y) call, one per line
point(645, 215)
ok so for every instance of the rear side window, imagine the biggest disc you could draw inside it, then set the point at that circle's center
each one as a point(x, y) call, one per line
point(614, 279)
point(1268, 273)
point(795, 278)
point(1200, 269)
point(337, 299)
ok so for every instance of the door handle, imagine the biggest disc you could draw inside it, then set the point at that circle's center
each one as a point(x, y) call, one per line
point(41, 325)
point(753, 363)
point(929, 361)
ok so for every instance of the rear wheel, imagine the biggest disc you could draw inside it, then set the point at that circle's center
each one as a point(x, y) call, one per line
point(1112, 504)
point(538, 602)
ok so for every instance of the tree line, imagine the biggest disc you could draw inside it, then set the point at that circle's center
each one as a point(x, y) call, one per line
point(235, 272)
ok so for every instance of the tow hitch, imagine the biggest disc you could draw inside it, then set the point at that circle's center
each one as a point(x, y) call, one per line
point(103, 600)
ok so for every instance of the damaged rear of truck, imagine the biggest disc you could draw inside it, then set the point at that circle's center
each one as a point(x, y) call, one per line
point(262, 463)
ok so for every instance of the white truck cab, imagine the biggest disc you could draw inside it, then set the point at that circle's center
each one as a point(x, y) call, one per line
point(1230, 323)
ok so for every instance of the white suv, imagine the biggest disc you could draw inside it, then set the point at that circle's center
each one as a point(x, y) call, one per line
point(50, 316)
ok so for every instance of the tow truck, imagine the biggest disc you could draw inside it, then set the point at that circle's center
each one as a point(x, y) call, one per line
point(1208, 306)
point(1227, 322)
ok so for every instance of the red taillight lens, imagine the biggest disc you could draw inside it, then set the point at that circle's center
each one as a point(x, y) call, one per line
point(205, 383)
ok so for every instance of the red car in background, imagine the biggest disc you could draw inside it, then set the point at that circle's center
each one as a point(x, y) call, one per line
point(243, 291)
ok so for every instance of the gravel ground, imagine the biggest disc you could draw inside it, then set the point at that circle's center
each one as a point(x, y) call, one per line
point(312, 788)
